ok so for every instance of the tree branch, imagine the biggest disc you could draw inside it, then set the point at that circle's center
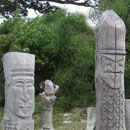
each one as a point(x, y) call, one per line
point(43, 6)
point(85, 3)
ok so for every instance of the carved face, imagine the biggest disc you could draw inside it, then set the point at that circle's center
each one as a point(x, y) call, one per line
point(112, 67)
point(21, 101)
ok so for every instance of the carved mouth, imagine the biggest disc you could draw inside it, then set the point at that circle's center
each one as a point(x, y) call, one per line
point(25, 108)
point(117, 73)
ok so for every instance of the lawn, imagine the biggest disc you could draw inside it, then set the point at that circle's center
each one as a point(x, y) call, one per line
point(74, 120)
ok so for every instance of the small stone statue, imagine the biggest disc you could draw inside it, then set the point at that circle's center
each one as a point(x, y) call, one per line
point(19, 91)
point(48, 99)
point(91, 118)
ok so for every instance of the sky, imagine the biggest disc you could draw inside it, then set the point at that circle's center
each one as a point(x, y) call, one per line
point(69, 8)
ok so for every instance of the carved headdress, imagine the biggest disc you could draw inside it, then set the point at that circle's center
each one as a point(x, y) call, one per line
point(17, 63)
point(111, 35)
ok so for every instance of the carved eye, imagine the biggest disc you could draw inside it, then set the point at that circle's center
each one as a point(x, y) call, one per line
point(104, 61)
point(109, 63)
point(29, 84)
point(120, 64)
point(19, 84)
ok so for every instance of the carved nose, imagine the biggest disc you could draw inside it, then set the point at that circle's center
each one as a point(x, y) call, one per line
point(25, 97)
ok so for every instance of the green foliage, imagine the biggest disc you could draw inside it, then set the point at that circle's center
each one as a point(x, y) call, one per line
point(64, 48)
point(75, 73)
point(122, 8)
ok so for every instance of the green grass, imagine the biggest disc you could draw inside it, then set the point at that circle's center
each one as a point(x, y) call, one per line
point(76, 116)
point(1, 116)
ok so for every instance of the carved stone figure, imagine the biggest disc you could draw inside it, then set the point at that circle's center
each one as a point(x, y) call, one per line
point(91, 118)
point(109, 73)
point(48, 99)
point(127, 113)
point(19, 91)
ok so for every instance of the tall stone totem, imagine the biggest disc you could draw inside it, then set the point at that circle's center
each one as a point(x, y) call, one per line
point(19, 91)
point(109, 74)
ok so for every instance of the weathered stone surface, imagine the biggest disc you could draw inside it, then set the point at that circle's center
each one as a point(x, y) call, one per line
point(49, 87)
point(127, 113)
point(109, 73)
point(91, 118)
point(19, 91)
point(48, 99)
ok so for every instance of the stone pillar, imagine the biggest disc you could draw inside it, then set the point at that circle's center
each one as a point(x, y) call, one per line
point(19, 91)
point(48, 99)
point(109, 73)
point(127, 114)
point(91, 118)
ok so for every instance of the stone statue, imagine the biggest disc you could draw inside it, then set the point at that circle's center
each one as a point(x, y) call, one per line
point(109, 73)
point(19, 91)
point(48, 99)
point(91, 118)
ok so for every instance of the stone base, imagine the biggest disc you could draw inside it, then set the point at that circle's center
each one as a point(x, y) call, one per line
point(45, 127)
point(18, 124)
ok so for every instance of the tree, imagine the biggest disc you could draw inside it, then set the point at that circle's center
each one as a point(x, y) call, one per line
point(7, 7)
